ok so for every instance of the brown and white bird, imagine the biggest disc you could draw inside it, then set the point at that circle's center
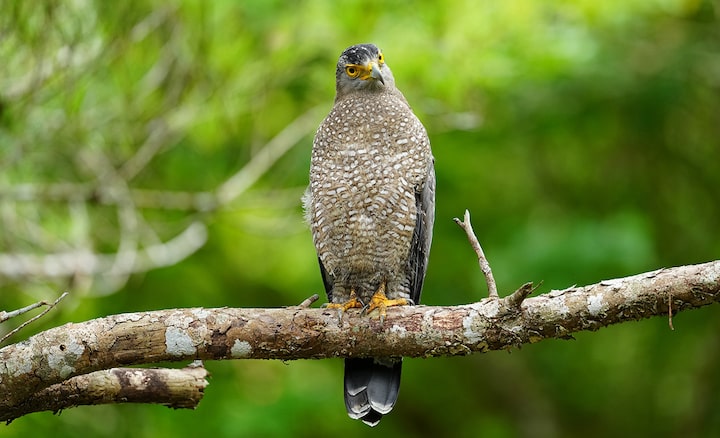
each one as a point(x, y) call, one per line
point(371, 206)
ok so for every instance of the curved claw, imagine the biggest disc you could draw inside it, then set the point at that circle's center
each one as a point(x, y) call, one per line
point(352, 303)
point(381, 302)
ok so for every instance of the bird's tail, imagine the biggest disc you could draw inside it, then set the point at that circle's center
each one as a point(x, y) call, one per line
point(371, 387)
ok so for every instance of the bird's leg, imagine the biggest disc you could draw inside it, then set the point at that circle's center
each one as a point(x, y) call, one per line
point(353, 302)
point(381, 302)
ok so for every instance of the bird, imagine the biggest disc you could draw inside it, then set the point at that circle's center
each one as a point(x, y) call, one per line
point(370, 205)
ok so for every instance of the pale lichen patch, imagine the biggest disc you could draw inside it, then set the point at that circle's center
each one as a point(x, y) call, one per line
point(488, 308)
point(21, 364)
point(399, 330)
point(474, 322)
point(222, 319)
point(63, 357)
point(241, 349)
point(186, 330)
point(129, 317)
point(179, 319)
point(137, 380)
point(472, 330)
point(178, 342)
point(596, 305)
point(709, 274)
point(558, 307)
point(200, 313)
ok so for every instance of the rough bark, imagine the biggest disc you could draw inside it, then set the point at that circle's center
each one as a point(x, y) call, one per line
point(175, 388)
point(55, 355)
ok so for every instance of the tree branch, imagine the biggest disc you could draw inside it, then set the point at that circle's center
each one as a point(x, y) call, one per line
point(4, 316)
point(482, 260)
point(55, 355)
point(175, 388)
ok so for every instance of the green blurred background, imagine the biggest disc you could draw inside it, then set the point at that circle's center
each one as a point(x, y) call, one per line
point(583, 136)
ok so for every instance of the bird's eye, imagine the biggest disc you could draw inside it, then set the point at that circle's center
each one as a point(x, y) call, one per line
point(381, 58)
point(352, 71)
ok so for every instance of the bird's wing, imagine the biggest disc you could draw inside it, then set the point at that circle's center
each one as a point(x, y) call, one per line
point(327, 280)
point(422, 235)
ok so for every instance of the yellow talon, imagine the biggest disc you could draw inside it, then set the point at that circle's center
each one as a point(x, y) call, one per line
point(352, 303)
point(381, 302)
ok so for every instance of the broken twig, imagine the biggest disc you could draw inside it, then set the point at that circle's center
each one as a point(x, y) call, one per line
point(309, 300)
point(516, 298)
point(484, 265)
point(4, 316)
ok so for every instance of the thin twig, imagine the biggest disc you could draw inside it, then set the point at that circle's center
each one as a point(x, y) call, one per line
point(484, 265)
point(4, 316)
point(33, 306)
point(309, 300)
point(670, 315)
point(514, 299)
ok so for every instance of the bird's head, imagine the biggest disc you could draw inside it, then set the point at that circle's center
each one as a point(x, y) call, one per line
point(362, 67)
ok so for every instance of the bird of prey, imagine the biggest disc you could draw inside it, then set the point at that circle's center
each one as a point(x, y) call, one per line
point(371, 206)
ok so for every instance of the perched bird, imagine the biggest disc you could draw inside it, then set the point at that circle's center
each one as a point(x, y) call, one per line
point(371, 206)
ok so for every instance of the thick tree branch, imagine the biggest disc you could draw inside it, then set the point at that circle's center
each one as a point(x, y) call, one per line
point(175, 388)
point(55, 355)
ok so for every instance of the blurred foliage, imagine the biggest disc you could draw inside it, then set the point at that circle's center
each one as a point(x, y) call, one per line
point(584, 137)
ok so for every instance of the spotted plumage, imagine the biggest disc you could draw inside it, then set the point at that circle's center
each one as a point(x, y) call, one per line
point(370, 206)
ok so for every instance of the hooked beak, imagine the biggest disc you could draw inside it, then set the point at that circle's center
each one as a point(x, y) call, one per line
point(375, 72)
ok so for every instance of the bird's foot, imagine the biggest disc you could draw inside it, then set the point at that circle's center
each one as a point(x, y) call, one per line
point(352, 303)
point(381, 302)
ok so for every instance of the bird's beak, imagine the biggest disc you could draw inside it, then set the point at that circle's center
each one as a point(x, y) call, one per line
point(371, 70)
point(375, 72)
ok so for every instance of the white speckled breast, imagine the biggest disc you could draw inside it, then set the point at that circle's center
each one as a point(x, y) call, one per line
point(370, 156)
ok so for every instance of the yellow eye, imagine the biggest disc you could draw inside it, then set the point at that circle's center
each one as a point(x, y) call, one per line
point(352, 71)
point(381, 58)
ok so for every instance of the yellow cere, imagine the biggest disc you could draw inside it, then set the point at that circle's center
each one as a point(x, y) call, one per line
point(364, 71)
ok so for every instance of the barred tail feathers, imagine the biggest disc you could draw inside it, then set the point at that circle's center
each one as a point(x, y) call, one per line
point(371, 387)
